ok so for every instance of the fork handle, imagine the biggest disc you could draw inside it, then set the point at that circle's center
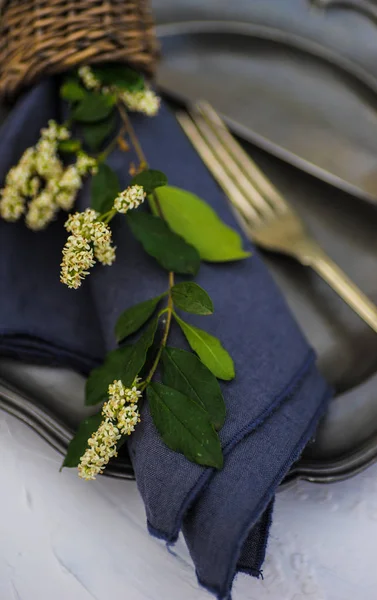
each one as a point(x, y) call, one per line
point(344, 286)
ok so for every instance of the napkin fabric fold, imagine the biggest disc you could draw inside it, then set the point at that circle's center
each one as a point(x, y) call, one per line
point(273, 404)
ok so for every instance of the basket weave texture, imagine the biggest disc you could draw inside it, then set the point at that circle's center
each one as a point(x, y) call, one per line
point(44, 37)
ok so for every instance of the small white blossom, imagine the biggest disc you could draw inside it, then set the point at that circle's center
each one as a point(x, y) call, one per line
point(65, 200)
point(77, 260)
point(47, 162)
point(130, 198)
point(71, 178)
point(119, 395)
point(128, 418)
point(71, 181)
point(41, 211)
point(102, 447)
point(12, 204)
point(144, 101)
point(101, 237)
point(81, 223)
point(90, 81)
point(18, 177)
point(86, 164)
point(106, 256)
point(122, 406)
point(33, 187)
point(55, 132)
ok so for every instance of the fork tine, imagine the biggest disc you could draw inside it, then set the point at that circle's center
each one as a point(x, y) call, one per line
point(210, 159)
point(209, 133)
point(246, 164)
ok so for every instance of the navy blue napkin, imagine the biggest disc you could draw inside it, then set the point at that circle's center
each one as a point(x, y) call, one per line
point(273, 404)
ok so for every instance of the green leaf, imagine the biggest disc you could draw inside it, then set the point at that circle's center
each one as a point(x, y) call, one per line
point(79, 442)
point(93, 107)
point(120, 76)
point(209, 350)
point(133, 318)
point(104, 188)
point(72, 91)
point(169, 249)
point(189, 296)
point(184, 426)
point(184, 372)
point(136, 358)
point(199, 225)
point(124, 363)
point(100, 378)
point(96, 133)
point(69, 146)
point(150, 180)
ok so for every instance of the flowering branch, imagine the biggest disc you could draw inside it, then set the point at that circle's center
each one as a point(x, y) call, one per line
point(187, 408)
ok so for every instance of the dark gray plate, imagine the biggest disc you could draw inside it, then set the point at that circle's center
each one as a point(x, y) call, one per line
point(290, 96)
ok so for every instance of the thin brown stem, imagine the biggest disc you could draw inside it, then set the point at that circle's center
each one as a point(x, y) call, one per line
point(112, 145)
point(143, 164)
point(169, 313)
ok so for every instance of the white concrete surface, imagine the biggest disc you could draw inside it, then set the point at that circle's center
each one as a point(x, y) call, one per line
point(65, 539)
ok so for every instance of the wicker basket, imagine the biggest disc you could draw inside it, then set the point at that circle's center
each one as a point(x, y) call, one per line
point(41, 37)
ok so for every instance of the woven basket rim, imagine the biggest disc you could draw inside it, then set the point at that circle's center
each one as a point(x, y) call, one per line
point(52, 40)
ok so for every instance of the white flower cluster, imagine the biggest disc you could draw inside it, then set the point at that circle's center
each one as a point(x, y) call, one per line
point(89, 239)
point(77, 259)
point(122, 406)
point(39, 184)
point(102, 447)
point(144, 101)
point(88, 78)
point(121, 415)
point(17, 182)
point(130, 198)
point(47, 162)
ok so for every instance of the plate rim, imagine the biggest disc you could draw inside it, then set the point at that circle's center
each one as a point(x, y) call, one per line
point(58, 435)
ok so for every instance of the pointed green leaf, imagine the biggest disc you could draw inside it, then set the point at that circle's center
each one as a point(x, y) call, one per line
point(120, 76)
point(124, 363)
point(79, 442)
point(209, 350)
point(189, 296)
point(96, 133)
point(169, 249)
point(184, 426)
point(72, 91)
point(105, 188)
point(184, 372)
point(133, 318)
point(150, 180)
point(137, 357)
point(94, 107)
point(199, 225)
point(69, 146)
point(99, 379)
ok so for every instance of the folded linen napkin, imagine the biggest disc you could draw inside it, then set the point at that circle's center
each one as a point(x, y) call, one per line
point(273, 404)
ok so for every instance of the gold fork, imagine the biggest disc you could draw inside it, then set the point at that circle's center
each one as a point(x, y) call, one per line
point(264, 214)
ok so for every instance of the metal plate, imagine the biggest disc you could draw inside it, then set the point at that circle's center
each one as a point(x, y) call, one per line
point(51, 400)
point(290, 96)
